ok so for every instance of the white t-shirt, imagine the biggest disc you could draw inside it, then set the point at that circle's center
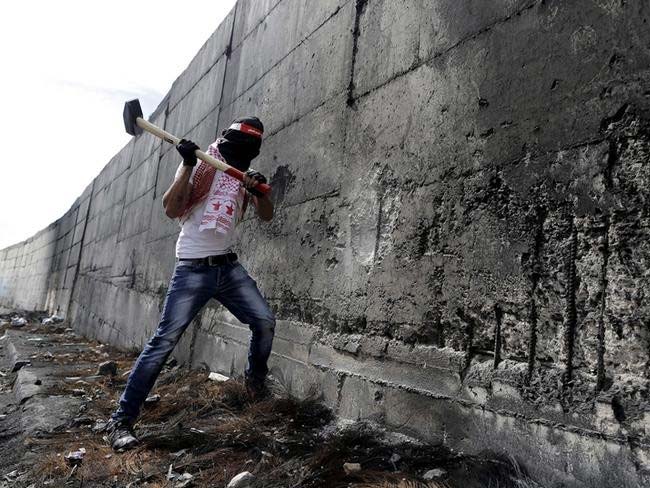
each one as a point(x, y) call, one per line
point(193, 243)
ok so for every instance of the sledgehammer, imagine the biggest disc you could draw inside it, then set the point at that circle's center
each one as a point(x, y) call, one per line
point(135, 124)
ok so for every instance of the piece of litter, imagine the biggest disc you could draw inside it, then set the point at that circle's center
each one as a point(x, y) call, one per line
point(171, 474)
point(217, 377)
point(152, 399)
point(18, 321)
point(184, 480)
point(75, 458)
point(54, 319)
point(242, 480)
point(197, 431)
point(351, 468)
point(434, 473)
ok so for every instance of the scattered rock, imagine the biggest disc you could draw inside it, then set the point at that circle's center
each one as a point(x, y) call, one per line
point(18, 322)
point(54, 319)
point(75, 458)
point(18, 365)
point(351, 468)
point(11, 475)
point(99, 426)
point(242, 480)
point(107, 368)
point(78, 392)
point(184, 480)
point(150, 400)
point(76, 422)
point(217, 377)
point(434, 473)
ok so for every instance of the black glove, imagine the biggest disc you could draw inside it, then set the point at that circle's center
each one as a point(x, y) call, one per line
point(186, 149)
point(251, 173)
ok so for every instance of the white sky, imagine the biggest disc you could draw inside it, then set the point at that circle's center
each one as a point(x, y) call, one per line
point(67, 69)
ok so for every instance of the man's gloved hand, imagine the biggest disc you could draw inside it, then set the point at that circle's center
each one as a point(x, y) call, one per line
point(186, 148)
point(252, 178)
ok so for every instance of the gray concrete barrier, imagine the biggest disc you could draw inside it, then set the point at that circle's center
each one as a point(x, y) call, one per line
point(460, 247)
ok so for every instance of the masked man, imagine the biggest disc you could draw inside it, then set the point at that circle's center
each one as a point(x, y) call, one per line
point(208, 204)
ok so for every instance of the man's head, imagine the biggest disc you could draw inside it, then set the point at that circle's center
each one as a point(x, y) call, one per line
point(240, 143)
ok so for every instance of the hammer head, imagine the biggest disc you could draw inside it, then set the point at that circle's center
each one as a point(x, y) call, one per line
point(132, 111)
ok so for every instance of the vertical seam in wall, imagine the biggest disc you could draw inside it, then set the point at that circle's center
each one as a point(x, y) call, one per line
point(571, 312)
point(600, 365)
point(498, 315)
point(358, 12)
point(228, 53)
point(119, 227)
point(535, 277)
point(81, 249)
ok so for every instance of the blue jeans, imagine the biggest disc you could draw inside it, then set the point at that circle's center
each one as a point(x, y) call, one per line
point(191, 286)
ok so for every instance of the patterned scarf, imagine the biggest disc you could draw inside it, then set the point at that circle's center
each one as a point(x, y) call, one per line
point(202, 183)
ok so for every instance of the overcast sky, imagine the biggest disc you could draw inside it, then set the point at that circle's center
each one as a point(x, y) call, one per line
point(67, 69)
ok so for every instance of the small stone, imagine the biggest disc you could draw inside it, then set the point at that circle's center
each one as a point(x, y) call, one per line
point(76, 422)
point(434, 473)
point(217, 377)
point(183, 389)
point(99, 426)
point(351, 468)
point(150, 400)
point(78, 392)
point(107, 368)
point(242, 480)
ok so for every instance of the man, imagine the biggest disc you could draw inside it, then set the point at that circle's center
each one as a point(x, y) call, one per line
point(208, 204)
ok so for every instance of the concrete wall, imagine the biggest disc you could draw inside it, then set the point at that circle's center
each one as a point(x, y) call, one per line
point(461, 241)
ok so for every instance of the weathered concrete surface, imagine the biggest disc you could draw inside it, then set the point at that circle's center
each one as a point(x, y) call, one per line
point(461, 238)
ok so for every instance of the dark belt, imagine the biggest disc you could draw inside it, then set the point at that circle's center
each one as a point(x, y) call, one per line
point(219, 260)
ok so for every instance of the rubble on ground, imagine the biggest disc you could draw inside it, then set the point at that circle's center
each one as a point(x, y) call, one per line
point(107, 368)
point(18, 321)
point(213, 434)
point(217, 377)
point(242, 480)
point(52, 320)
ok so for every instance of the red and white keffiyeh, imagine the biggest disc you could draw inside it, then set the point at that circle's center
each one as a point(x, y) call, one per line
point(221, 194)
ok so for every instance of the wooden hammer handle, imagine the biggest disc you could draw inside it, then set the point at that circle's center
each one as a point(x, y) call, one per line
point(220, 165)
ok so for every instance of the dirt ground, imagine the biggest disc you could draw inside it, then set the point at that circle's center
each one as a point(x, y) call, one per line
point(202, 433)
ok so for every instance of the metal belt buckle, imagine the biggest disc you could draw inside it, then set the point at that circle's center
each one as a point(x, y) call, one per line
point(212, 262)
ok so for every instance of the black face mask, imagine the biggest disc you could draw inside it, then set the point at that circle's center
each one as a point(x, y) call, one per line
point(238, 148)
